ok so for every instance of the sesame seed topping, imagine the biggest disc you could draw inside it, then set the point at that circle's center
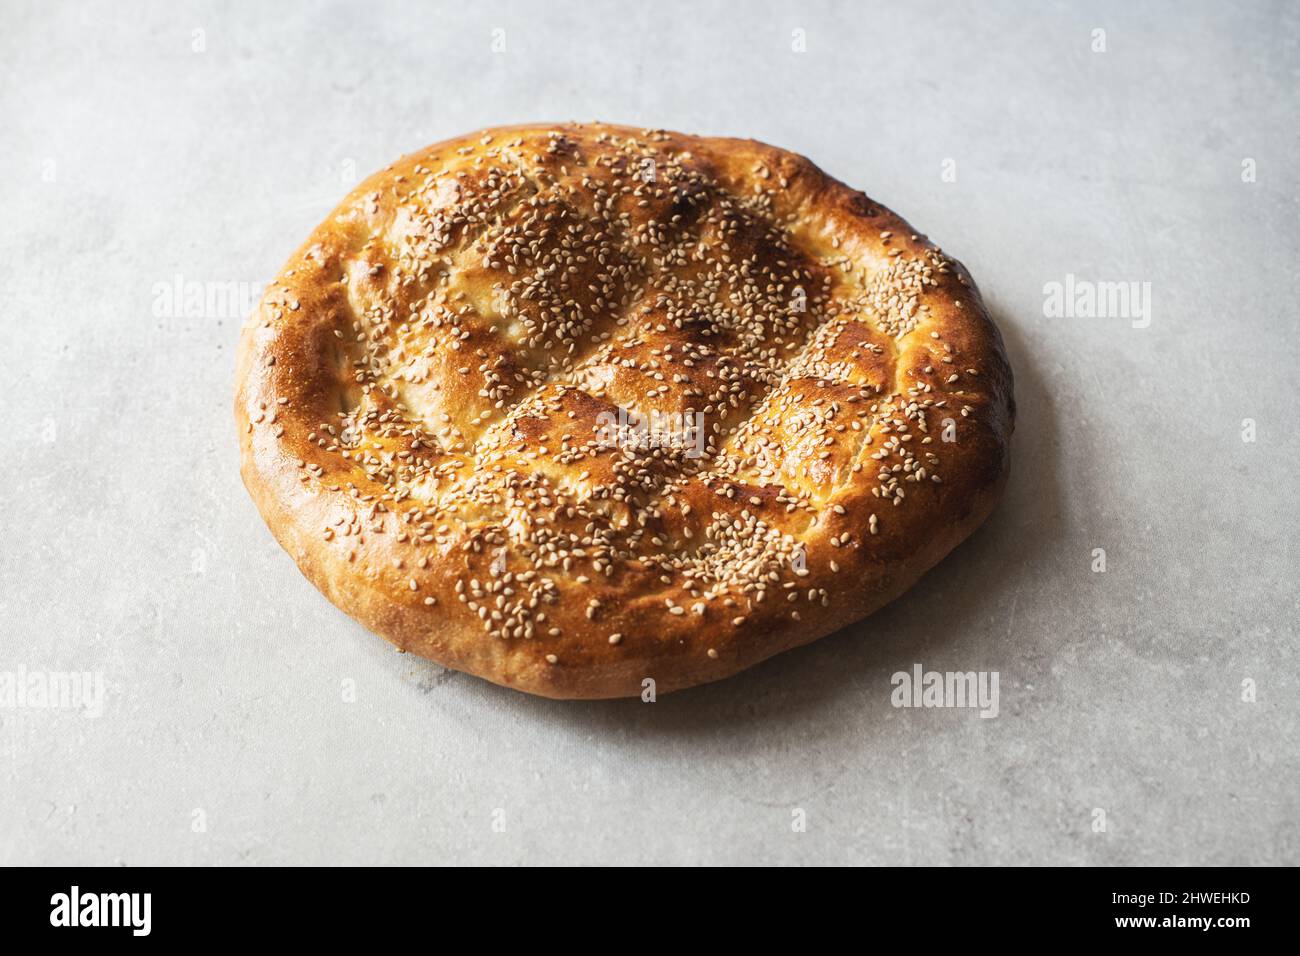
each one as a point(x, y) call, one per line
point(579, 361)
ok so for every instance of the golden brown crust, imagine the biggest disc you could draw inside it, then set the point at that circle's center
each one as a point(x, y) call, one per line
point(429, 394)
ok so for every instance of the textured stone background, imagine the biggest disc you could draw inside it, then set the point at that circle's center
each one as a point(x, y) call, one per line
point(128, 157)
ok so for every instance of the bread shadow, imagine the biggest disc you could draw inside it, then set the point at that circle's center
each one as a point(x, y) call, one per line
point(970, 595)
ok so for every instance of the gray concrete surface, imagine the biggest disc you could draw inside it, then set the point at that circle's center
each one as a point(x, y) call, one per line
point(244, 720)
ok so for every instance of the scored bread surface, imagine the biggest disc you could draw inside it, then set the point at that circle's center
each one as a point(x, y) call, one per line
point(578, 406)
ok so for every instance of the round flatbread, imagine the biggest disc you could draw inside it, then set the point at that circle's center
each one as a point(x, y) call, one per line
point(576, 407)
